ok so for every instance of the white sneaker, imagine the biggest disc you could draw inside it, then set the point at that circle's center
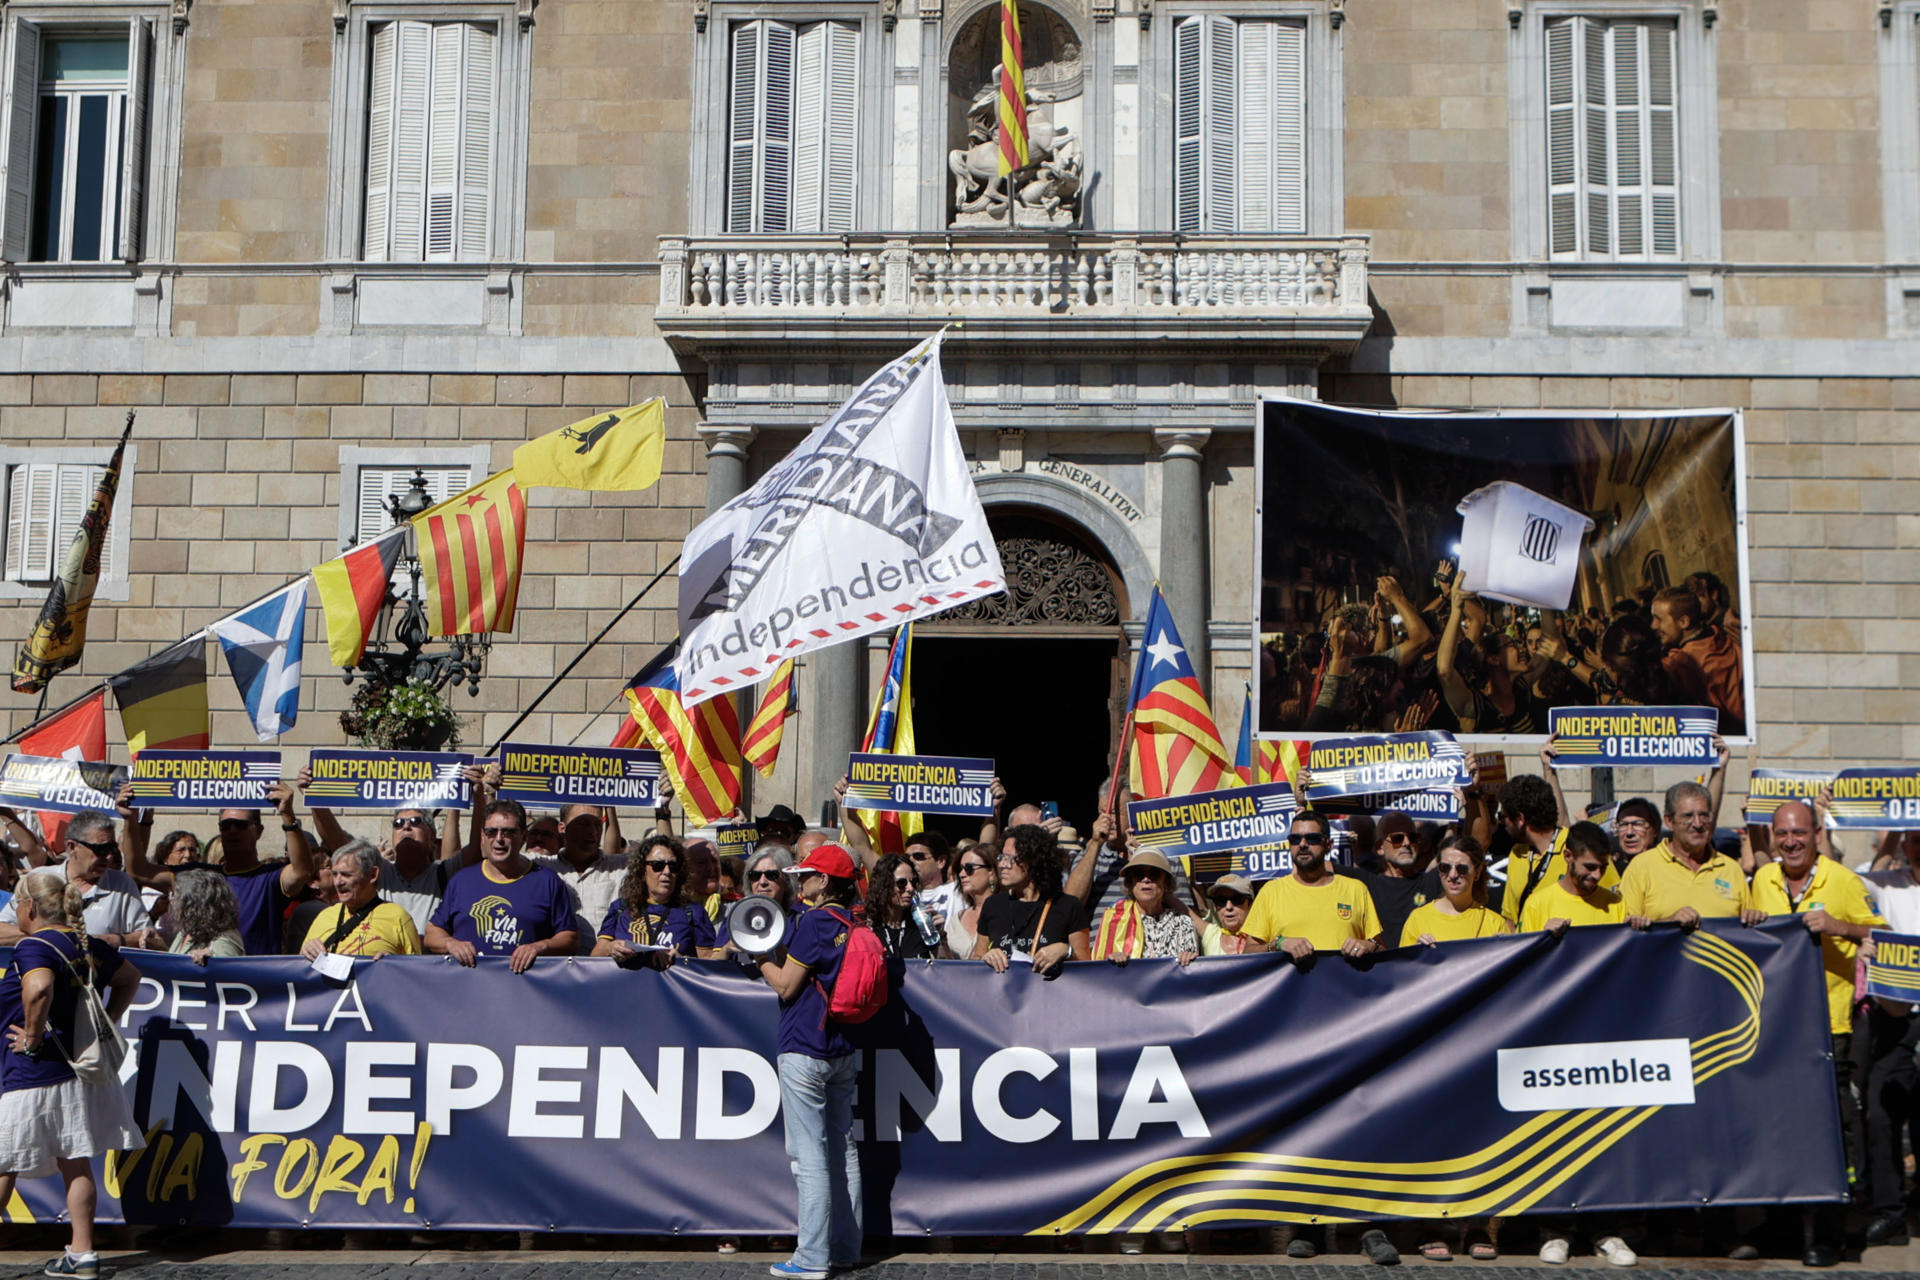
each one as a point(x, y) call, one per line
point(1615, 1251)
point(1555, 1250)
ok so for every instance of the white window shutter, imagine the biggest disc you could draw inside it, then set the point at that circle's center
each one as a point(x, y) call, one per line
point(1188, 85)
point(31, 511)
point(412, 78)
point(76, 486)
point(474, 224)
point(1629, 120)
point(21, 111)
point(1563, 179)
point(1597, 169)
point(1220, 128)
point(1663, 186)
point(443, 138)
point(776, 134)
point(743, 127)
point(842, 127)
point(809, 117)
point(377, 237)
point(1255, 167)
point(133, 154)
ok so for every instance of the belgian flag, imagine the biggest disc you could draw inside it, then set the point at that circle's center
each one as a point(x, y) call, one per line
point(163, 701)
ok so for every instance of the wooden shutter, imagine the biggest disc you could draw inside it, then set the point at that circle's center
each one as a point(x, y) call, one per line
point(1596, 171)
point(1271, 171)
point(1220, 128)
point(479, 81)
point(76, 485)
point(1663, 186)
point(1629, 119)
point(21, 113)
point(133, 155)
point(377, 237)
point(842, 127)
point(743, 127)
point(1188, 86)
point(826, 94)
point(1563, 182)
point(809, 116)
point(776, 130)
point(412, 80)
point(32, 502)
point(443, 138)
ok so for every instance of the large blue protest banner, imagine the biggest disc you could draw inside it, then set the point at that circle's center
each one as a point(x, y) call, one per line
point(1608, 1069)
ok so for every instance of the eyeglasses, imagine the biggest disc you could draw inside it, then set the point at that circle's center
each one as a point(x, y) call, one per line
point(228, 824)
point(1011, 860)
point(765, 873)
point(1641, 823)
point(968, 868)
point(417, 820)
point(1311, 837)
point(659, 864)
point(1456, 870)
point(102, 849)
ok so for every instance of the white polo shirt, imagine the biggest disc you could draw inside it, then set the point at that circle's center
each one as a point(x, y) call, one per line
point(113, 904)
point(594, 890)
point(1898, 897)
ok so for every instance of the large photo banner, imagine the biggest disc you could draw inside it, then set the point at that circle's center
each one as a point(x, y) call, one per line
point(1608, 1069)
point(1470, 572)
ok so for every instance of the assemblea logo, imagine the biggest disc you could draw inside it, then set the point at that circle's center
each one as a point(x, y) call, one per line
point(1619, 1073)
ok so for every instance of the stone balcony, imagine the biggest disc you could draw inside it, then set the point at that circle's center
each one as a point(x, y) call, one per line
point(1226, 292)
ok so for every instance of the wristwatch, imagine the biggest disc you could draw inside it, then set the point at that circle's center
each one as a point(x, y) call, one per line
point(289, 826)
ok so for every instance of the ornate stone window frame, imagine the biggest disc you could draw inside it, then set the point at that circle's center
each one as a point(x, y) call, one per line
point(382, 297)
point(478, 459)
point(1568, 296)
point(707, 198)
point(1326, 105)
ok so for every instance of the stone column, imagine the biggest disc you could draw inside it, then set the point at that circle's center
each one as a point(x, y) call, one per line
point(834, 695)
point(1183, 541)
point(726, 461)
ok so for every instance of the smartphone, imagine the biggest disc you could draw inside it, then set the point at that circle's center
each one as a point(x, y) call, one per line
point(1049, 809)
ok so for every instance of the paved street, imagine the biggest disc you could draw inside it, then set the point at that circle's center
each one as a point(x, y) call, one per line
point(587, 1264)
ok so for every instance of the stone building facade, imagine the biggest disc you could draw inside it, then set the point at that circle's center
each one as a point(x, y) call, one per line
point(345, 238)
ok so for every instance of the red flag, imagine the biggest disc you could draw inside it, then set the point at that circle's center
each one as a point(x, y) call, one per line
point(77, 733)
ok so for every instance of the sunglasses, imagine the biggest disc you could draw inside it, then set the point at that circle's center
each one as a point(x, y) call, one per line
point(968, 868)
point(1236, 899)
point(410, 822)
point(767, 873)
point(1312, 838)
point(226, 824)
point(500, 833)
point(1456, 870)
point(102, 849)
point(902, 882)
point(922, 855)
point(1136, 875)
point(659, 864)
point(1398, 837)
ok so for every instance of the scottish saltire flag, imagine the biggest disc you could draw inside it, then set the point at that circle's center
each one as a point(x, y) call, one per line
point(1176, 748)
point(262, 644)
point(890, 729)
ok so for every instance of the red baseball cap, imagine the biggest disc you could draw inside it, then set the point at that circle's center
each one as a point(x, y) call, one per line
point(827, 860)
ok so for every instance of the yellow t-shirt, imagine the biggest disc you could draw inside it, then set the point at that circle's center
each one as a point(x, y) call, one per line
point(1520, 864)
point(1325, 914)
point(1474, 922)
point(1844, 896)
point(1553, 902)
point(1657, 885)
point(387, 931)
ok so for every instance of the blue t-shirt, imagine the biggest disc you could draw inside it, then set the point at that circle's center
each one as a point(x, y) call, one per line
point(817, 938)
point(50, 949)
point(497, 916)
point(681, 928)
point(263, 906)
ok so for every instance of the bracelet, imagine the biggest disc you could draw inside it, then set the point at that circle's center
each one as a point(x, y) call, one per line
point(289, 826)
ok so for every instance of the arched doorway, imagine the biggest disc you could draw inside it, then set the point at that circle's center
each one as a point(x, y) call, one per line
point(1035, 677)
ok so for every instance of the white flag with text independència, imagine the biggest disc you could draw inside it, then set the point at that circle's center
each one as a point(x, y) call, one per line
point(873, 521)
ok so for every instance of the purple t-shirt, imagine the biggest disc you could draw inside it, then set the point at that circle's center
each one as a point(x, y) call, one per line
point(50, 949)
point(818, 940)
point(681, 928)
point(263, 906)
point(498, 916)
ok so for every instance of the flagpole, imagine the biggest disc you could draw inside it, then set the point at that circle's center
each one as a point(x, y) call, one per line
point(568, 670)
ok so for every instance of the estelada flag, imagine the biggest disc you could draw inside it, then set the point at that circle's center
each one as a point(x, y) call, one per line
point(700, 747)
point(764, 731)
point(1176, 748)
point(614, 451)
point(890, 730)
point(75, 732)
point(352, 589)
point(1266, 759)
point(470, 548)
point(60, 632)
point(163, 701)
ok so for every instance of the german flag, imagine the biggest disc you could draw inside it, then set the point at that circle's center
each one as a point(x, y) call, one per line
point(352, 589)
point(470, 548)
point(163, 701)
point(700, 748)
point(762, 746)
point(1175, 748)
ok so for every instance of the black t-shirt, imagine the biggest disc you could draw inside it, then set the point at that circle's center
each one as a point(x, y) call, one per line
point(903, 940)
point(1394, 897)
point(1009, 923)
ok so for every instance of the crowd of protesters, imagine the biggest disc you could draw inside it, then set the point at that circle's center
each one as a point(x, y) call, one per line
point(1470, 664)
point(1028, 890)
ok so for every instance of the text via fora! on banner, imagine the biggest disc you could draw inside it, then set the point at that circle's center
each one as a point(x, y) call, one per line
point(1600, 1070)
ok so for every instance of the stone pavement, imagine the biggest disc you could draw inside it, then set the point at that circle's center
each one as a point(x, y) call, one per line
point(589, 1264)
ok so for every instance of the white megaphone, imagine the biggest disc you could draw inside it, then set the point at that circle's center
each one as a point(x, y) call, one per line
point(757, 924)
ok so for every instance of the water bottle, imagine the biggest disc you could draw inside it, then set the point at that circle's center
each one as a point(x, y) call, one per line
point(927, 934)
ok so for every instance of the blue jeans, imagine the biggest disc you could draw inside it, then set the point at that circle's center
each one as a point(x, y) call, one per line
point(816, 1099)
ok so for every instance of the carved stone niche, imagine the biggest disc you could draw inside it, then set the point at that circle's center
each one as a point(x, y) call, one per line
point(1045, 193)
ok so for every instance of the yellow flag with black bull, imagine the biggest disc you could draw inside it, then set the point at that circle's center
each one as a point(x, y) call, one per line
point(613, 451)
point(60, 632)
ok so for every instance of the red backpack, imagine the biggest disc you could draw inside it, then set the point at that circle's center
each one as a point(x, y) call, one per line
point(860, 987)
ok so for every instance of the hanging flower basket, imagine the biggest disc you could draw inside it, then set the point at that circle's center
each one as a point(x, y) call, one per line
point(401, 717)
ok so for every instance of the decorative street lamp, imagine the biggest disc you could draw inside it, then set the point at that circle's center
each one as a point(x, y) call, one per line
point(405, 659)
